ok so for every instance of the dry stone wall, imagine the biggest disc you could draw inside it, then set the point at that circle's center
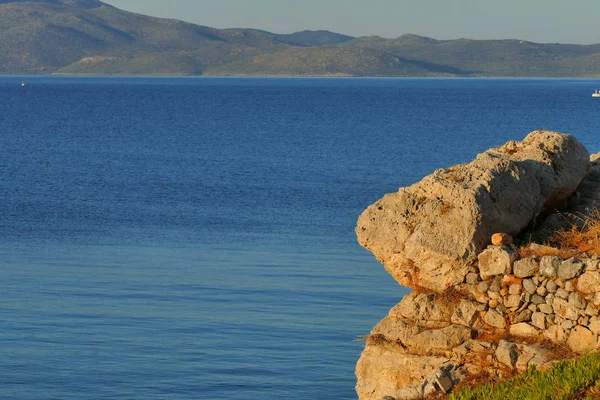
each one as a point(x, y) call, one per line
point(484, 308)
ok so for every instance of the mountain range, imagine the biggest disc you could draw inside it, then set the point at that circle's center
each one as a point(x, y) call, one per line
point(92, 37)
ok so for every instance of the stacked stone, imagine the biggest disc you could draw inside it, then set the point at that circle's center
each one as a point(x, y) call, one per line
point(547, 296)
point(432, 237)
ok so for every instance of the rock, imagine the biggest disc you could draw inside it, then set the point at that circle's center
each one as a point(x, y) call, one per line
point(529, 286)
point(569, 286)
point(546, 308)
point(412, 392)
point(514, 289)
point(465, 314)
point(512, 301)
point(564, 309)
point(483, 287)
point(523, 316)
point(507, 353)
point(536, 299)
point(382, 370)
point(562, 293)
point(444, 383)
point(472, 278)
point(532, 355)
point(538, 320)
point(591, 311)
point(568, 325)
point(589, 282)
point(551, 286)
point(508, 280)
point(570, 269)
point(495, 286)
point(501, 239)
point(576, 300)
point(438, 381)
point(559, 305)
point(493, 303)
point(493, 318)
point(525, 268)
point(581, 340)
point(555, 333)
point(424, 308)
point(428, 234)
point(549, 266)
point(542, 291)
point(523, 329)
point(495, 261)
point(596, 299)
point(480, 297)
point(595, 325)
point(416, 341)
point(592, 265)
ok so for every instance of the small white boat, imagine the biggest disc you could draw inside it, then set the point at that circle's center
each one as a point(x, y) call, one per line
point(25, 84)
point(596, 93)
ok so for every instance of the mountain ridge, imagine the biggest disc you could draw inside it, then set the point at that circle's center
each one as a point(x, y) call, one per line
point(92, 37)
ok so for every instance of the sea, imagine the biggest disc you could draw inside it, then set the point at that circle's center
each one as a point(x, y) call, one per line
point(193, 238)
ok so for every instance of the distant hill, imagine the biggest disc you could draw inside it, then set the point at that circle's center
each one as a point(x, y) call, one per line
point(314, 38)
point(92, 37)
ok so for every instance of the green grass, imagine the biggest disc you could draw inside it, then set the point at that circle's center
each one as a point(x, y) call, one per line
point(571, 379)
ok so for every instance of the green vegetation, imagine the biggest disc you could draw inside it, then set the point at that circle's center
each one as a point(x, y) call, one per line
point(91, 37)
point(571, 379)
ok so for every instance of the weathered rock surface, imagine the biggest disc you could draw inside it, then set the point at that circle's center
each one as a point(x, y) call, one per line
point(496, 261)
point(525, 268)
point(429, 233)
point(589, 282)
point(434, 236)
point(383, 370)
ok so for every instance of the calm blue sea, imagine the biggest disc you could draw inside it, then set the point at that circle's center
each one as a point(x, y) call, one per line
point(192, 238)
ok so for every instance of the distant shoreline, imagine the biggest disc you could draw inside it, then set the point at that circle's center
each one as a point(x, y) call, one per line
point(293, 76)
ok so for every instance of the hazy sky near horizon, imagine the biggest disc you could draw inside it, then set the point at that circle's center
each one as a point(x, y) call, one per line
point(545, 21)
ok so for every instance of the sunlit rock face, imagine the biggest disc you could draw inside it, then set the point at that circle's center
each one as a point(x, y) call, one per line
point(469, 293)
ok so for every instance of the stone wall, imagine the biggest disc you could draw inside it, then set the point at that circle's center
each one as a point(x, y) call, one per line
point(481, 308)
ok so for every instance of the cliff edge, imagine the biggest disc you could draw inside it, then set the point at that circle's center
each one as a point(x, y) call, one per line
point(480, 304)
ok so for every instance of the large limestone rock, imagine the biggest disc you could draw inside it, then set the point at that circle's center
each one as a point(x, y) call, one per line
point(428, 234)
point(383, 370)
point(423, 310)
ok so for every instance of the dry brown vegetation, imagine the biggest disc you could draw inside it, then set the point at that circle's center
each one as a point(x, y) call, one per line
point(452, 296)
point(537, 251)
point(581, 238)
point(584, 234)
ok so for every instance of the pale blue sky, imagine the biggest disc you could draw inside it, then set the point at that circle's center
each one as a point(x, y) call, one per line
point(575, 21)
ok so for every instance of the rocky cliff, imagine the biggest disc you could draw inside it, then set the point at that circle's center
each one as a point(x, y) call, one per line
point(480, 304)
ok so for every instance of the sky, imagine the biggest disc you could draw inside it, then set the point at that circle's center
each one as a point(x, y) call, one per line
point(544, 21)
